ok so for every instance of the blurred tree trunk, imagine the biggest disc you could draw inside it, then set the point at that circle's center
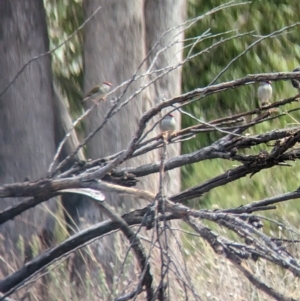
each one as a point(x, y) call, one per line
point(159, 17)
point(26, 123)
point(116, 42)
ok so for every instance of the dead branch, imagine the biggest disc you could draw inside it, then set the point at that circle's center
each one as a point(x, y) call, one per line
point(146, 277)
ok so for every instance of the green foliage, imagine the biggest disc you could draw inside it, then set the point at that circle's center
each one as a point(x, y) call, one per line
point(63, 18)
point(279, 53)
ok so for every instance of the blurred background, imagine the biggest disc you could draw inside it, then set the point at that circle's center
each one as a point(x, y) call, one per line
point(275, 54)
point(278, 53)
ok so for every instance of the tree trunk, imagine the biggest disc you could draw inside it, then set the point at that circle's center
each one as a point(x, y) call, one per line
point(26, 122)
point(116, 42)
point(161, 16)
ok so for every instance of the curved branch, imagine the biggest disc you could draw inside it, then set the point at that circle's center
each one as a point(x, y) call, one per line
point(31, 268)
point(146, 277)
point(249, 208)
point(231, 175)
point(221, 247)
point(31, 189)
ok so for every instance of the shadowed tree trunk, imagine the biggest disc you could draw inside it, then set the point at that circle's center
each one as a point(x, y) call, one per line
point(116, 42)
point(27, 143)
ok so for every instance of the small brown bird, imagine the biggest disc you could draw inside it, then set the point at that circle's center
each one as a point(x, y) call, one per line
point(98, 92)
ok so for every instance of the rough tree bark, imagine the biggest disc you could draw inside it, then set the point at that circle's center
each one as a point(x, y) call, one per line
point(26, 121)
point(116, 42)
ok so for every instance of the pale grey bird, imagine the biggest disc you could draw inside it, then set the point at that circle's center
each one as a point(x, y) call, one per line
point(296, 82)
point(264, 93)
point(168, 124)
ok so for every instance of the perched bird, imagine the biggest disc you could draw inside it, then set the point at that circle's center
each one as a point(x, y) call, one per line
point(264, 93)
point(98, 92)
point(296, 82)
point(167, 124)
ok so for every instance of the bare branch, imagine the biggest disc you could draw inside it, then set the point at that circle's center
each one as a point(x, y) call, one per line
point(222, 248)
point(259, 284)
point(43, 193)
point(145, 278)
point(20, 277)
point(49, 52)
